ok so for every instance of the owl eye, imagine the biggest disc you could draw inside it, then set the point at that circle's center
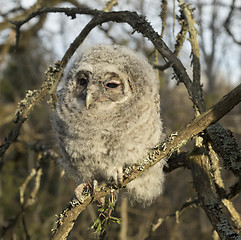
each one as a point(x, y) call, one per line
point(82, 79)
point(112, 84)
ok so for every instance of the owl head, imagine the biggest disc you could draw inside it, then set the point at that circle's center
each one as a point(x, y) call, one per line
point(105, 76)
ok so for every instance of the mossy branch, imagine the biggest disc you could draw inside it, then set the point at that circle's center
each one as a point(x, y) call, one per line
point(163, 15)
point(213, 206)
point(189, 24)
point(138, 23)
point(172, 143)
point(30, 100)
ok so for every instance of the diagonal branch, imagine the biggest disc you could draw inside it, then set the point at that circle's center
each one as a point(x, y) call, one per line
point(171, 144)
point(25, 106)
point(137, 22)
point(174, 142)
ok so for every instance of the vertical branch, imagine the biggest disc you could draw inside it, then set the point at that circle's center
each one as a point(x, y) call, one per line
point(124, 219)
point(25, 203)
point(174, 16)
point(163, 15)
point(220, 188)
point(189, 19)
point(200, 168)
point(181, 36)
point(201, 30)
point(7, 46)
point(227, 23)
point(35, 173)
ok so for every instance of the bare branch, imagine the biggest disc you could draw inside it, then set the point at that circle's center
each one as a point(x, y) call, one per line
point(189, 21)
point(163, 15)
point(163, 67)
point(25, 203)
point(176, 214)
point(109, 5)
point(124, 219)
point(227, 23)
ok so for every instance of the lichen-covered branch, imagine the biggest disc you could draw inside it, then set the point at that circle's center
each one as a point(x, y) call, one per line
point(225, 146)
point(138, 23)
point(212, 205)
point(187, 12)
point(163, 15)
point(171, 144)
point(26, 105)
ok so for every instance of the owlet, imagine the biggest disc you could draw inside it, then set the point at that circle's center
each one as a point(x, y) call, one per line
point(108, 116)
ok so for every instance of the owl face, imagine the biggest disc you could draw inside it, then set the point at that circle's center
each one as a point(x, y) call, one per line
point(99, 86)
point(107, 79)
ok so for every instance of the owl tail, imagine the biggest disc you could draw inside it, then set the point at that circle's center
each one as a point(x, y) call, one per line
point(147, 187)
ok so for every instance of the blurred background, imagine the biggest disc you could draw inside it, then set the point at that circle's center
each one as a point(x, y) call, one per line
point(43, 41)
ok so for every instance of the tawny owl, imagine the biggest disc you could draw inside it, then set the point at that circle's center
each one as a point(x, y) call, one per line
point(108, 116)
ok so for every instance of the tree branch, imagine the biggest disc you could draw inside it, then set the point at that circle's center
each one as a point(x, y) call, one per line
point(25, 106)
point(177, 213)
point(190, 24)
point(171, 144)
point(227, 23)
point(138, 23)
point(211, 204)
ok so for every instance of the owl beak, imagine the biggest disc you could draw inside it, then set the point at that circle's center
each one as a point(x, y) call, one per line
point(89, 100)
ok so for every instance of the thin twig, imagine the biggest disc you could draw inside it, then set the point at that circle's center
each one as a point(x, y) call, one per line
point(176, 214)
point(227, 23)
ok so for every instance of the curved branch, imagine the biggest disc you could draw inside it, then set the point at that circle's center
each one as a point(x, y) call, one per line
point(137, 22)
point(227, 23)
point(174, 142)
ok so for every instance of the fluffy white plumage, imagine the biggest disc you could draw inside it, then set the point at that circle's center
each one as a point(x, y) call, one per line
point(107, 116)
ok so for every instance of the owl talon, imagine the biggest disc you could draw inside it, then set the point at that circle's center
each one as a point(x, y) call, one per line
point(79, 190)
point(118, 177)
point(101, 200)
